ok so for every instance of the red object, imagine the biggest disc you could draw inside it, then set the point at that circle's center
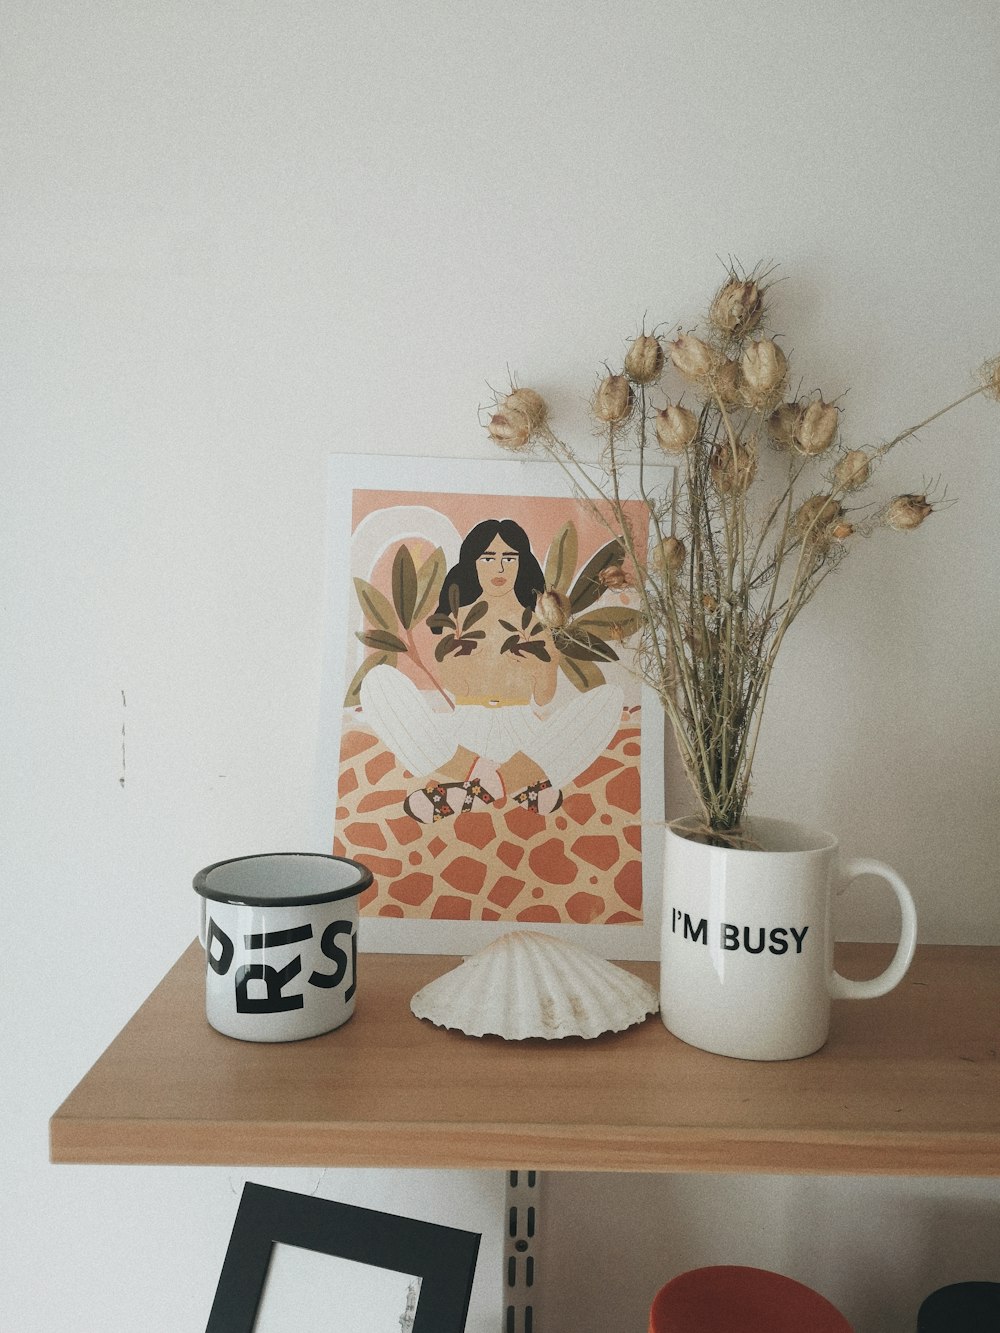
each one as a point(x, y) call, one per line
point(731, 1299)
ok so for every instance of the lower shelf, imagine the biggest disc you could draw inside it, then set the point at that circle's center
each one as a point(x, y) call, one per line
point(907, 1085)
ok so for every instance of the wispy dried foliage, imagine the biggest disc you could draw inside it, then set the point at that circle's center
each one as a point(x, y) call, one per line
point(732, 560)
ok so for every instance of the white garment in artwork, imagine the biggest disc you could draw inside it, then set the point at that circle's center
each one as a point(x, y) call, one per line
point(563, 744)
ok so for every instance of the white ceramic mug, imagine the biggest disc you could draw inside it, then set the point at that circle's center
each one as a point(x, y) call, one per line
point(746, 958)
point(280, 934)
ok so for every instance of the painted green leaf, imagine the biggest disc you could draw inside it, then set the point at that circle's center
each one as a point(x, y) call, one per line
point(477, 612)
point(587, 589)
point(453, 599)
point(581, 646)
point(445, 647)
point(376, 606)
point(382, 641)
point(561, 559)
point(584, 675)
point(353, 696)
point(404, 586)
point(604, 619)
point(538, 650)
point(430, 576)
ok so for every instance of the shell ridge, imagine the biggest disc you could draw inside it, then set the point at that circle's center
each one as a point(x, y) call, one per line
point(533, 984)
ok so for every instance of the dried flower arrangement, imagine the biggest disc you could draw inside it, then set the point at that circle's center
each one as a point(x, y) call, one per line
point(729, 569)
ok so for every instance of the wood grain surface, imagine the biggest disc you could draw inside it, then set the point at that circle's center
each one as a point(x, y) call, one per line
point(907, 1085)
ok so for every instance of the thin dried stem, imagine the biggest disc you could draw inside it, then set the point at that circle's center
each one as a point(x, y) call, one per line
point(712, 631)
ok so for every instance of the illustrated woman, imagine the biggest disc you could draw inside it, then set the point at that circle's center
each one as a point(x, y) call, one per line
point(500, 673)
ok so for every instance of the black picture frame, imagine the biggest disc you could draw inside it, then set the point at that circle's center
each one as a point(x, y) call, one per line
point(444, 1258)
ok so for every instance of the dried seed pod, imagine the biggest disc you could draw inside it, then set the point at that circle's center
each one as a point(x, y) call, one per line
point(764, 368)
point(670, 555)
point(509, 432)
point(528, 405)
point(733, 469)
point(614, 399)
point(644, 359)
point(616, 633)
point(783, 423)
point(816, 428)
point(989, 375)
point(692, 357)
point(853, 470)
point(709, 603)
point(552, 608)
point(676, 427)
point(727, 381)
point(906, 512)
point(614, 577)
point(737, 308)
point(815, 518)
point(842, 531)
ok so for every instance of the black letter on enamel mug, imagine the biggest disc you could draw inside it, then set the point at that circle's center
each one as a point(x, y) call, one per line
point(799, 936)
point(337, 956)
point(730, 936)
point(273, 1002)
point(220, 964)
point(273, 939)
point(778, 942)
point(349, 993)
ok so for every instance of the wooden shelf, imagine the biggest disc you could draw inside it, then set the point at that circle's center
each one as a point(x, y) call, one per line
point(907, 1085)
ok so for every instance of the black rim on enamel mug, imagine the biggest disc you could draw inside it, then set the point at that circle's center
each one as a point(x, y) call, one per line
point(280, 934)
point(252, 879)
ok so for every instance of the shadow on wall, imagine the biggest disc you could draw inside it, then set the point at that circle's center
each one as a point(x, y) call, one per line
point(935, 1243)
point(878, 1248)
point(874, 1248)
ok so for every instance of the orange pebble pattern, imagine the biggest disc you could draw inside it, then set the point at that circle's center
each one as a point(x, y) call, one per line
point(500, 863)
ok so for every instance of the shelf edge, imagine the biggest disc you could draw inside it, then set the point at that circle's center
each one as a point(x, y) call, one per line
point(498, 1147)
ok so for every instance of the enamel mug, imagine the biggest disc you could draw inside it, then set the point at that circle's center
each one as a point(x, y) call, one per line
point(280, 934)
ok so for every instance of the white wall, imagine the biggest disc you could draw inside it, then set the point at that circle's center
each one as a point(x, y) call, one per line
point(238, 236)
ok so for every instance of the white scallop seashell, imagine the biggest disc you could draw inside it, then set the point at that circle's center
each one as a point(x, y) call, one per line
point(527, 984)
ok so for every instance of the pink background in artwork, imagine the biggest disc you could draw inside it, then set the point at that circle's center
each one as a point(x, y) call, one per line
point(541, 516)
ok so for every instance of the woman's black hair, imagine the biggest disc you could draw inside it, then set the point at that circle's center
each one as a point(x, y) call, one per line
point(464, 576)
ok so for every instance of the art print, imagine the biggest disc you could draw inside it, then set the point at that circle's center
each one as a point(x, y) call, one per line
point(489, 766)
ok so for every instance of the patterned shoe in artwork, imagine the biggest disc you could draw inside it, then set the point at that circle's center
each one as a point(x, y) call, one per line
point(541, 798)
point(441, 800)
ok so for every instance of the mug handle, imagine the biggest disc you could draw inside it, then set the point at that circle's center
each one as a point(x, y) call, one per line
point(842, 988)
